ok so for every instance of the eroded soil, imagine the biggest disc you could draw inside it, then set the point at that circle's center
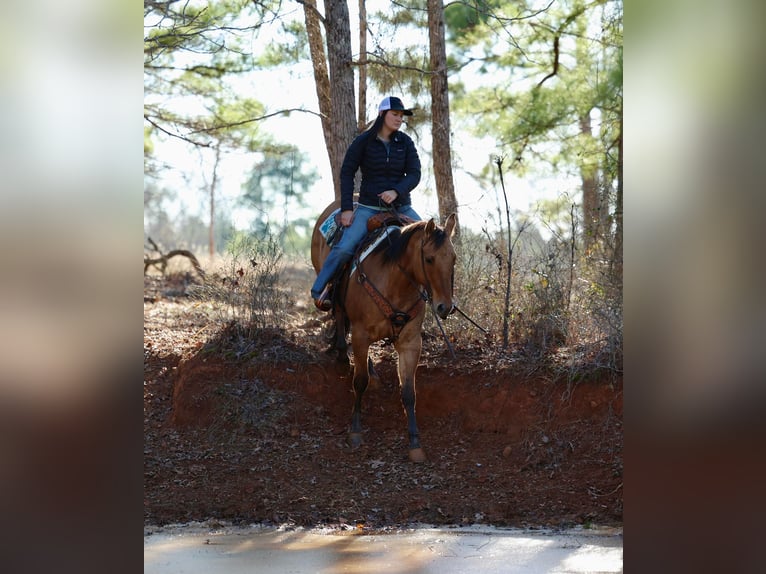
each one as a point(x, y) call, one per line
point(254, 431)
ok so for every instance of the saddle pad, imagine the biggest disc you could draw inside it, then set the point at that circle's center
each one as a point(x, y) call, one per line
point(369, 249)
point(329, 227)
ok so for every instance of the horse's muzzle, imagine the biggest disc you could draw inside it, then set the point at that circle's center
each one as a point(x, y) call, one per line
point(443, 310)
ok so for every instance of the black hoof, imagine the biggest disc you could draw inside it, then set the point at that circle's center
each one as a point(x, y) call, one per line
point(355, 439)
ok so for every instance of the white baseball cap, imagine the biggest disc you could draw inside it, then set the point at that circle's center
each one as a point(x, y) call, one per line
point(393, 103)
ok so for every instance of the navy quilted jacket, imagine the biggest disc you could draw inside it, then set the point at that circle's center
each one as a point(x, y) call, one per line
point(396, 168)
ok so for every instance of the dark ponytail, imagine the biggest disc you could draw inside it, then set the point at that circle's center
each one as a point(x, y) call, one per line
point(371, 133)
point(375, 126)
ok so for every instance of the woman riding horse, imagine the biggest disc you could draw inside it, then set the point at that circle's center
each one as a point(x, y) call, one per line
point(384, 297)
point(390, 171)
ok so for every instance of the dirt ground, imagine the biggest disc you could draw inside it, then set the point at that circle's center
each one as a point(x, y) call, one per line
point(255, 432)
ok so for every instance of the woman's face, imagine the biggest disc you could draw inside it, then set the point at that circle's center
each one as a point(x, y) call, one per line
point(393, 120)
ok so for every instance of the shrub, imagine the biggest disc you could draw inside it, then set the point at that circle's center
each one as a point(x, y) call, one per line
point(247, 291)
point(565, 304)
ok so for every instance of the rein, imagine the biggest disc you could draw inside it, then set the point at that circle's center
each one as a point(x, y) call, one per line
point(428, 297)
point(397, 318)
point(400, 318)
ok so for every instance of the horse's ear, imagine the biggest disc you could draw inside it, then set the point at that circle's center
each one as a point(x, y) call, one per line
point(449, 227)
point(430, 226)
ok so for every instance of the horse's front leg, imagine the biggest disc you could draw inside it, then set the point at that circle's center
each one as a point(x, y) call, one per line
point(361, 378)
point(409, 355)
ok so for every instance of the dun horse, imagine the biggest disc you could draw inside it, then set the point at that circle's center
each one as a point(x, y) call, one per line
point(385, 298)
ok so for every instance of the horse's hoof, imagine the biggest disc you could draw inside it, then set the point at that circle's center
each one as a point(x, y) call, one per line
point(342, 369)
point(355, 439)
point(417, 455)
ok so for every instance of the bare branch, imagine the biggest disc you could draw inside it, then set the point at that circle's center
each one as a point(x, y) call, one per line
point(251, 120)
point(571, 18)
point(155, 121)
point(409, 8)
point(161, 262)
point(495, 16)
point(377, 60)
point(200, 69)
point(555, 61)
point(173, 134)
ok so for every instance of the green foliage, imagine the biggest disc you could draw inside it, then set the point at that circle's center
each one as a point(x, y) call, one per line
point(276, 189)
point(190, 49)
point(399, 56)
point(199, 27)
point(506, 78)
point(233, 122)
point(296, 239)
point(148, 145)
point(559, 109)
point(291, 48)
point(467, 22)
point(191, 52)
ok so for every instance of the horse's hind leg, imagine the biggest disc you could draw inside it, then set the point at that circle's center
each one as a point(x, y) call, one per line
point(361, 378)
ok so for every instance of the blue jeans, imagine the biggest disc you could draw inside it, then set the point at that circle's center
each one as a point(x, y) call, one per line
point(342, 251)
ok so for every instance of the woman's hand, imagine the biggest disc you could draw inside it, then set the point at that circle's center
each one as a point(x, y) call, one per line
point(346, 217)
point(388, 196)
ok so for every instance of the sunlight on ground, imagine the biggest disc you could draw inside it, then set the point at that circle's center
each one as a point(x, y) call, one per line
point(420, 551)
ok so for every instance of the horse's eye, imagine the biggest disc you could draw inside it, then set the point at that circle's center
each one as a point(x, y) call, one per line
point(429, 260)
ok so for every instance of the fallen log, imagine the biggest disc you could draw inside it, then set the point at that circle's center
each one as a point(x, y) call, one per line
point(161, 262)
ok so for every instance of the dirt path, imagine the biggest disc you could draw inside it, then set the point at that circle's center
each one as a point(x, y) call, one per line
point(458, 550)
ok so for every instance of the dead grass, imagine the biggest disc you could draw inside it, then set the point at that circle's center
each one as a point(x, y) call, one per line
point(256, 303)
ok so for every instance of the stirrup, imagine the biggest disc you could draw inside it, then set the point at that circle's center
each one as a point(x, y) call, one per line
point(323, 302)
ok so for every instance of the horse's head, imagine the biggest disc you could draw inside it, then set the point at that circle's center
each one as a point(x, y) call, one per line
point(438, 264)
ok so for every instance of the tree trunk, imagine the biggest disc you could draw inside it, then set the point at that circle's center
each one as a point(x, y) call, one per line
point(362, 107)
point(440, 122)
point(211, 229)
point(590, 199)
point(343, 115)
point(321, 75)
point(617, 257)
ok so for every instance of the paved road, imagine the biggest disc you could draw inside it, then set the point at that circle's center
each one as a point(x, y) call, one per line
point(193, 549)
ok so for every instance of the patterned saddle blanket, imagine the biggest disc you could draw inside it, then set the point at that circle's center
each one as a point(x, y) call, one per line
point(378, 228)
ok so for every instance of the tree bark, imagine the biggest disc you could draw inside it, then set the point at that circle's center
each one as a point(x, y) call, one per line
point(617, 257)
point(343, 114)
point(362, 107)
point(213, 183)
point(321, 75)
point(440, 122)
point(590, 199)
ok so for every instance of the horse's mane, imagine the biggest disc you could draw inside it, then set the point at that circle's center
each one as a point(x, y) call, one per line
point(399, 239)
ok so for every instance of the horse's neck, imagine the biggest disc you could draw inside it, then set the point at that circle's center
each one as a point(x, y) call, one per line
point(409, 265)
point(399, 276)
